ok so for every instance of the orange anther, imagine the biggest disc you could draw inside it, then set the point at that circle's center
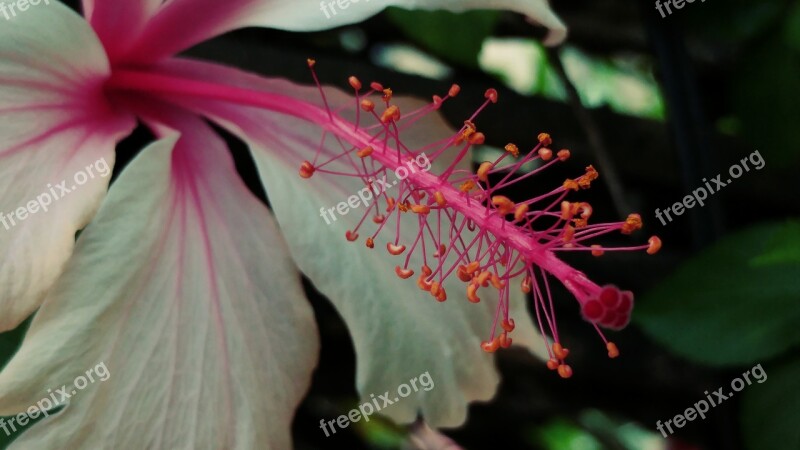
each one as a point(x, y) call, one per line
point(585, 180)
point(613, 351)
point(513, 149)
point(597, 250)
point(564, 371)
point(504, 340)
point(655, 245)
point(491, 94)
point(424, 285)
point(483, 278)
point(476, 138)
point(403, 273)
point(559, 351)
point(472, 288)
point(563, 154)
point(497, 282)
point(376, 86)
point(441, 295)
point(367, 105)
point(440, 200)
point(437, 101)
point(526, 285)
point(355, 83)
point(463, 275)
point(566, 210)
point(483, 171)
point(435, 286)
point(632, 223)
point(390, 203)
point(473, 267)
point(420, 209)
point(350, 235)
point(426, 270)
point(391, 114)
point(519, 213)
point(395, 249)
point(378, 218)
point(544, 139)
point(370, 243)
point(311, 63)
point(503, 204)
point(403, 206)
point(440, 251)
point(467, 186)
point(571, 185)
point(387, 95)
point(546, 154)
point(569, 233)
point(454, 90)
point(552, 364)
point(508, 325)
point(306, 169)
point(490, 347)
point(364, 152)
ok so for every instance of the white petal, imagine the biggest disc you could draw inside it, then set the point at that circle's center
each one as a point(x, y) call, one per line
point(54, 124)
point(184, 289)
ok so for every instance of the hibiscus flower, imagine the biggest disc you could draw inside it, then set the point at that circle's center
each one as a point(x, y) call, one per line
point(185, 288)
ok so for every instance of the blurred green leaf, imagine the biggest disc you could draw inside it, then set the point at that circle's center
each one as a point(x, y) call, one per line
point(721, 309)
point(736, 22)
point(455, 38)
point(770, 413)
point(560, 434)
point(9, 343)
point(791, 28)
point(784, 247)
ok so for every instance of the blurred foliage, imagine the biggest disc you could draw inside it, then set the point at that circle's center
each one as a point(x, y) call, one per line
point(735, 303)
point(770, 415)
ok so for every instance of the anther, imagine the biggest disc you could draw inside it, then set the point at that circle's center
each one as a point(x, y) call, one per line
point(367, 105)
point(483, 278)
point(420, 209)
point(467, 186)
point(490, 347)
point(613, 351)
point(497, 282)
point(454, 90)
point(387, 95)
point(483, 171)
point(552, 364)
point(472, 288)
point(476, 138)
point(378, 218)
point(391, 114)
point(403, 273)
point(655, 245)
point(597, 250)
point(632, 223)
point(525, 286)
point(395, 249)
point(563, 154)
point(546, 154)
point(559, 351)
point(350, 235)
point(311, 63)
point(426, 270)
point(424, 285)
point(508, 325)
point(437, 101)
point(544, 139)
point(491, 94)
point(564, 371)
point(585, 181)
point(513, 149)
point(376, 86)
point(370, 243)
point(503, 204)
point(519, 213)
point(355, 83)
point(306, 170)
point(364, 152)
point(440, 200)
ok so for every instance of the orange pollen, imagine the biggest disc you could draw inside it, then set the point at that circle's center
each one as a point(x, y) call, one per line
point(497, 282)
point(379, 218)
point(503, 204)
point(552, 364)
point(545, 139)
point(525, 286)
point(440, 251)
point(424, 285)
point(505, 341)
point(426, 270)
point(596, 250)
point(395, 249)
point(311, 63)
point(467, 186)
point(483, 278)
point(473, 267)
point(477, 138)
point(437, 101)
point(519, 213)
point(490, 347)
point(632, 223)
point(351, 236)
point(513, 149)
point(569, 232)
point(454, 90)
point(364, 152)
point(655, 245)
point(306, 170)
point(390, 204)
point(391, 114)
point(355, 83)
point(403, 273)
point(420, 209)
point(367, 105)
point(613, 351)
point(565, 371)
point(376, 86)
point(472, 288)
point(387, 95)
point(586, 180)
point(463, 275)
point(403, 206)
point(563, 154)
point(559, 351)
point(546, 154)
point(440, 200)
point(370, 243)
point(571, 185)
point(508, 325)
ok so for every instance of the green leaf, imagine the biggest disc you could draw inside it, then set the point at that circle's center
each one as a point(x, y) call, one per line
point(720, 308)
point(770, 413)
point(784, 247)
point(455, 38)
